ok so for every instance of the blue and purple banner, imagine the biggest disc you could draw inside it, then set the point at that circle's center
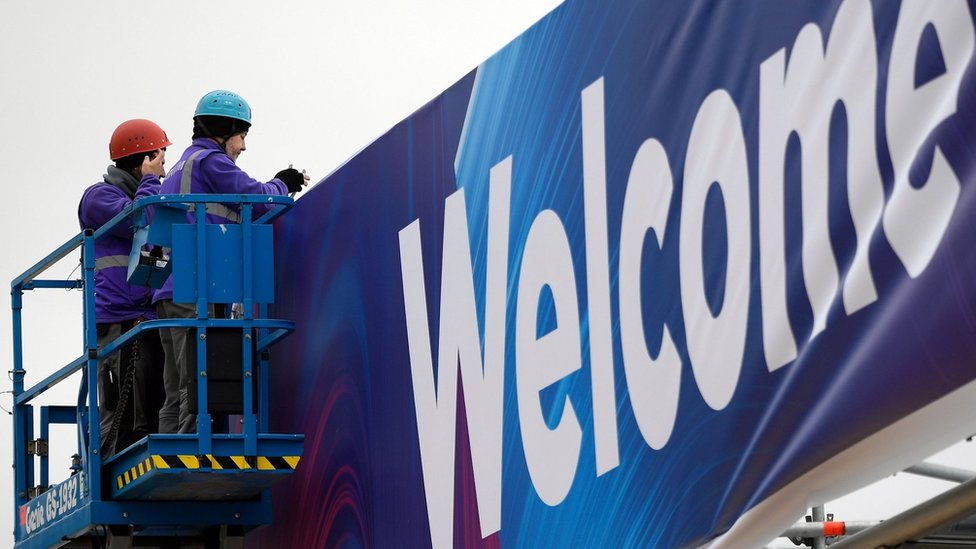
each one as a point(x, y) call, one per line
point(639, 273)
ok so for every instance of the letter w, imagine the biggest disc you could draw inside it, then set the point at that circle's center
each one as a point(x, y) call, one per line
point(459, 345)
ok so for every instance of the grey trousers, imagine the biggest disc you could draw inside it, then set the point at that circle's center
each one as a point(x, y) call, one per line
point(174, 417)
point(143, 399)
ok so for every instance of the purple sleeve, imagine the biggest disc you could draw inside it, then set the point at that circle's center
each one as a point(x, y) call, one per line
point(149, 186)
point(99, 205)
point(102, 202)
point(224, 177)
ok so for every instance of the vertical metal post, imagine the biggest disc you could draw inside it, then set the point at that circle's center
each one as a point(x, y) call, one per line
point(20, 437)
point(203, 415)
point(247, 385)
point(264, 400)
point(93, 468)
point(247, 374)
point(29, 478)
point(819, 542)
point(45, 435)
point(23, 464)
point(201, 229)
point(16, 304)
point(81, 420)
point(248, 261)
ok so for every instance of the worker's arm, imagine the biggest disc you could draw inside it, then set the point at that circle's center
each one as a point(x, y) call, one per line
point(101, 203)
point(224, 177)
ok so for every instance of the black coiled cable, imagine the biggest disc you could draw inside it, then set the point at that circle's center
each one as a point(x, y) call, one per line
point(128, 379)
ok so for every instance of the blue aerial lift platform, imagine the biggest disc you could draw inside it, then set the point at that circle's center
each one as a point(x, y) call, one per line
point(166, 490)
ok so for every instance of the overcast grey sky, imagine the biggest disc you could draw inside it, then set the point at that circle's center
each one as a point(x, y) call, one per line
point(323, 78)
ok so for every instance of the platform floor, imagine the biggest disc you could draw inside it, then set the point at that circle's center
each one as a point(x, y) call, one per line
point(172, 468)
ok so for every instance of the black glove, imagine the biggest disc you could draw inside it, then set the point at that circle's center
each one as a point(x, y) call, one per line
point(292, 178)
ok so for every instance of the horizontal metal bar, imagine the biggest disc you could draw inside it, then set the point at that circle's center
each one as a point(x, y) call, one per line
point(42, 265)
point(182, 513)
point(50, 381)
point(69, 284)
point(945, 508)
point(284, 203)
point(817, 529)
point(282, 327)
point(179, 199)
point(273, 338)
point(272, 215)
point(942, 472)
point(61, 414)
point(202, 198)
point(142, 327)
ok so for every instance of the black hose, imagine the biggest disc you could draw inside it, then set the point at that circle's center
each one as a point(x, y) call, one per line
point(128, 379)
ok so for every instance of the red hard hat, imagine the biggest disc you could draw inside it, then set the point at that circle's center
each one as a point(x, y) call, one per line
point(136, 136)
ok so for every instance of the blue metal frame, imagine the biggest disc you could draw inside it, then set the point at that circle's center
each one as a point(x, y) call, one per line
point(58, 415)
point(90, 506)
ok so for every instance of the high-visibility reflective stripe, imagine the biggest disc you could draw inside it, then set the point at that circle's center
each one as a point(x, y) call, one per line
point(224, 211)
point(220, 210)
point(107, 261)
point(187, 171)
point(212, 209)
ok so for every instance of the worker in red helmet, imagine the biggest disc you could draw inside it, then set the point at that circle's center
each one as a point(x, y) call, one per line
point(129, 381)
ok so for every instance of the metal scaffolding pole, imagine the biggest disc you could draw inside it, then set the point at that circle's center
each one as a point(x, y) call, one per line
point(817, 514)
point(942, 472)
point(944, 509)
point(828, 529)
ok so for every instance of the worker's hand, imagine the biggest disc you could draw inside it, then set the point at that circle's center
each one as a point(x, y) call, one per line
point(292, 178)
point(154, 163)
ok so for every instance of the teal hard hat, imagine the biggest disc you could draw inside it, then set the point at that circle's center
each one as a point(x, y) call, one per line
point(224, 103)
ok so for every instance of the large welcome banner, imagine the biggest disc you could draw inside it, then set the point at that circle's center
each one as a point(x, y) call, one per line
point(640, 274)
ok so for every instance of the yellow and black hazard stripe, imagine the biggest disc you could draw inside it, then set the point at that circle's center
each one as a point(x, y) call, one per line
point(216, 463)
point(261, 463)
point(135, 472)
point(240, 463)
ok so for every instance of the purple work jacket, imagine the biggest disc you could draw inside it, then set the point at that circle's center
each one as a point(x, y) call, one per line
point(115, 299)
point(213, 172)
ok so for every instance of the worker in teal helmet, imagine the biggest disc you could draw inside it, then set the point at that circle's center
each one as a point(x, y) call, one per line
point(220, 125)
point(222, 115)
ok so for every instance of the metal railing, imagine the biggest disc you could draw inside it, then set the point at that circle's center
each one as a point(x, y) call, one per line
point(266, 332)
